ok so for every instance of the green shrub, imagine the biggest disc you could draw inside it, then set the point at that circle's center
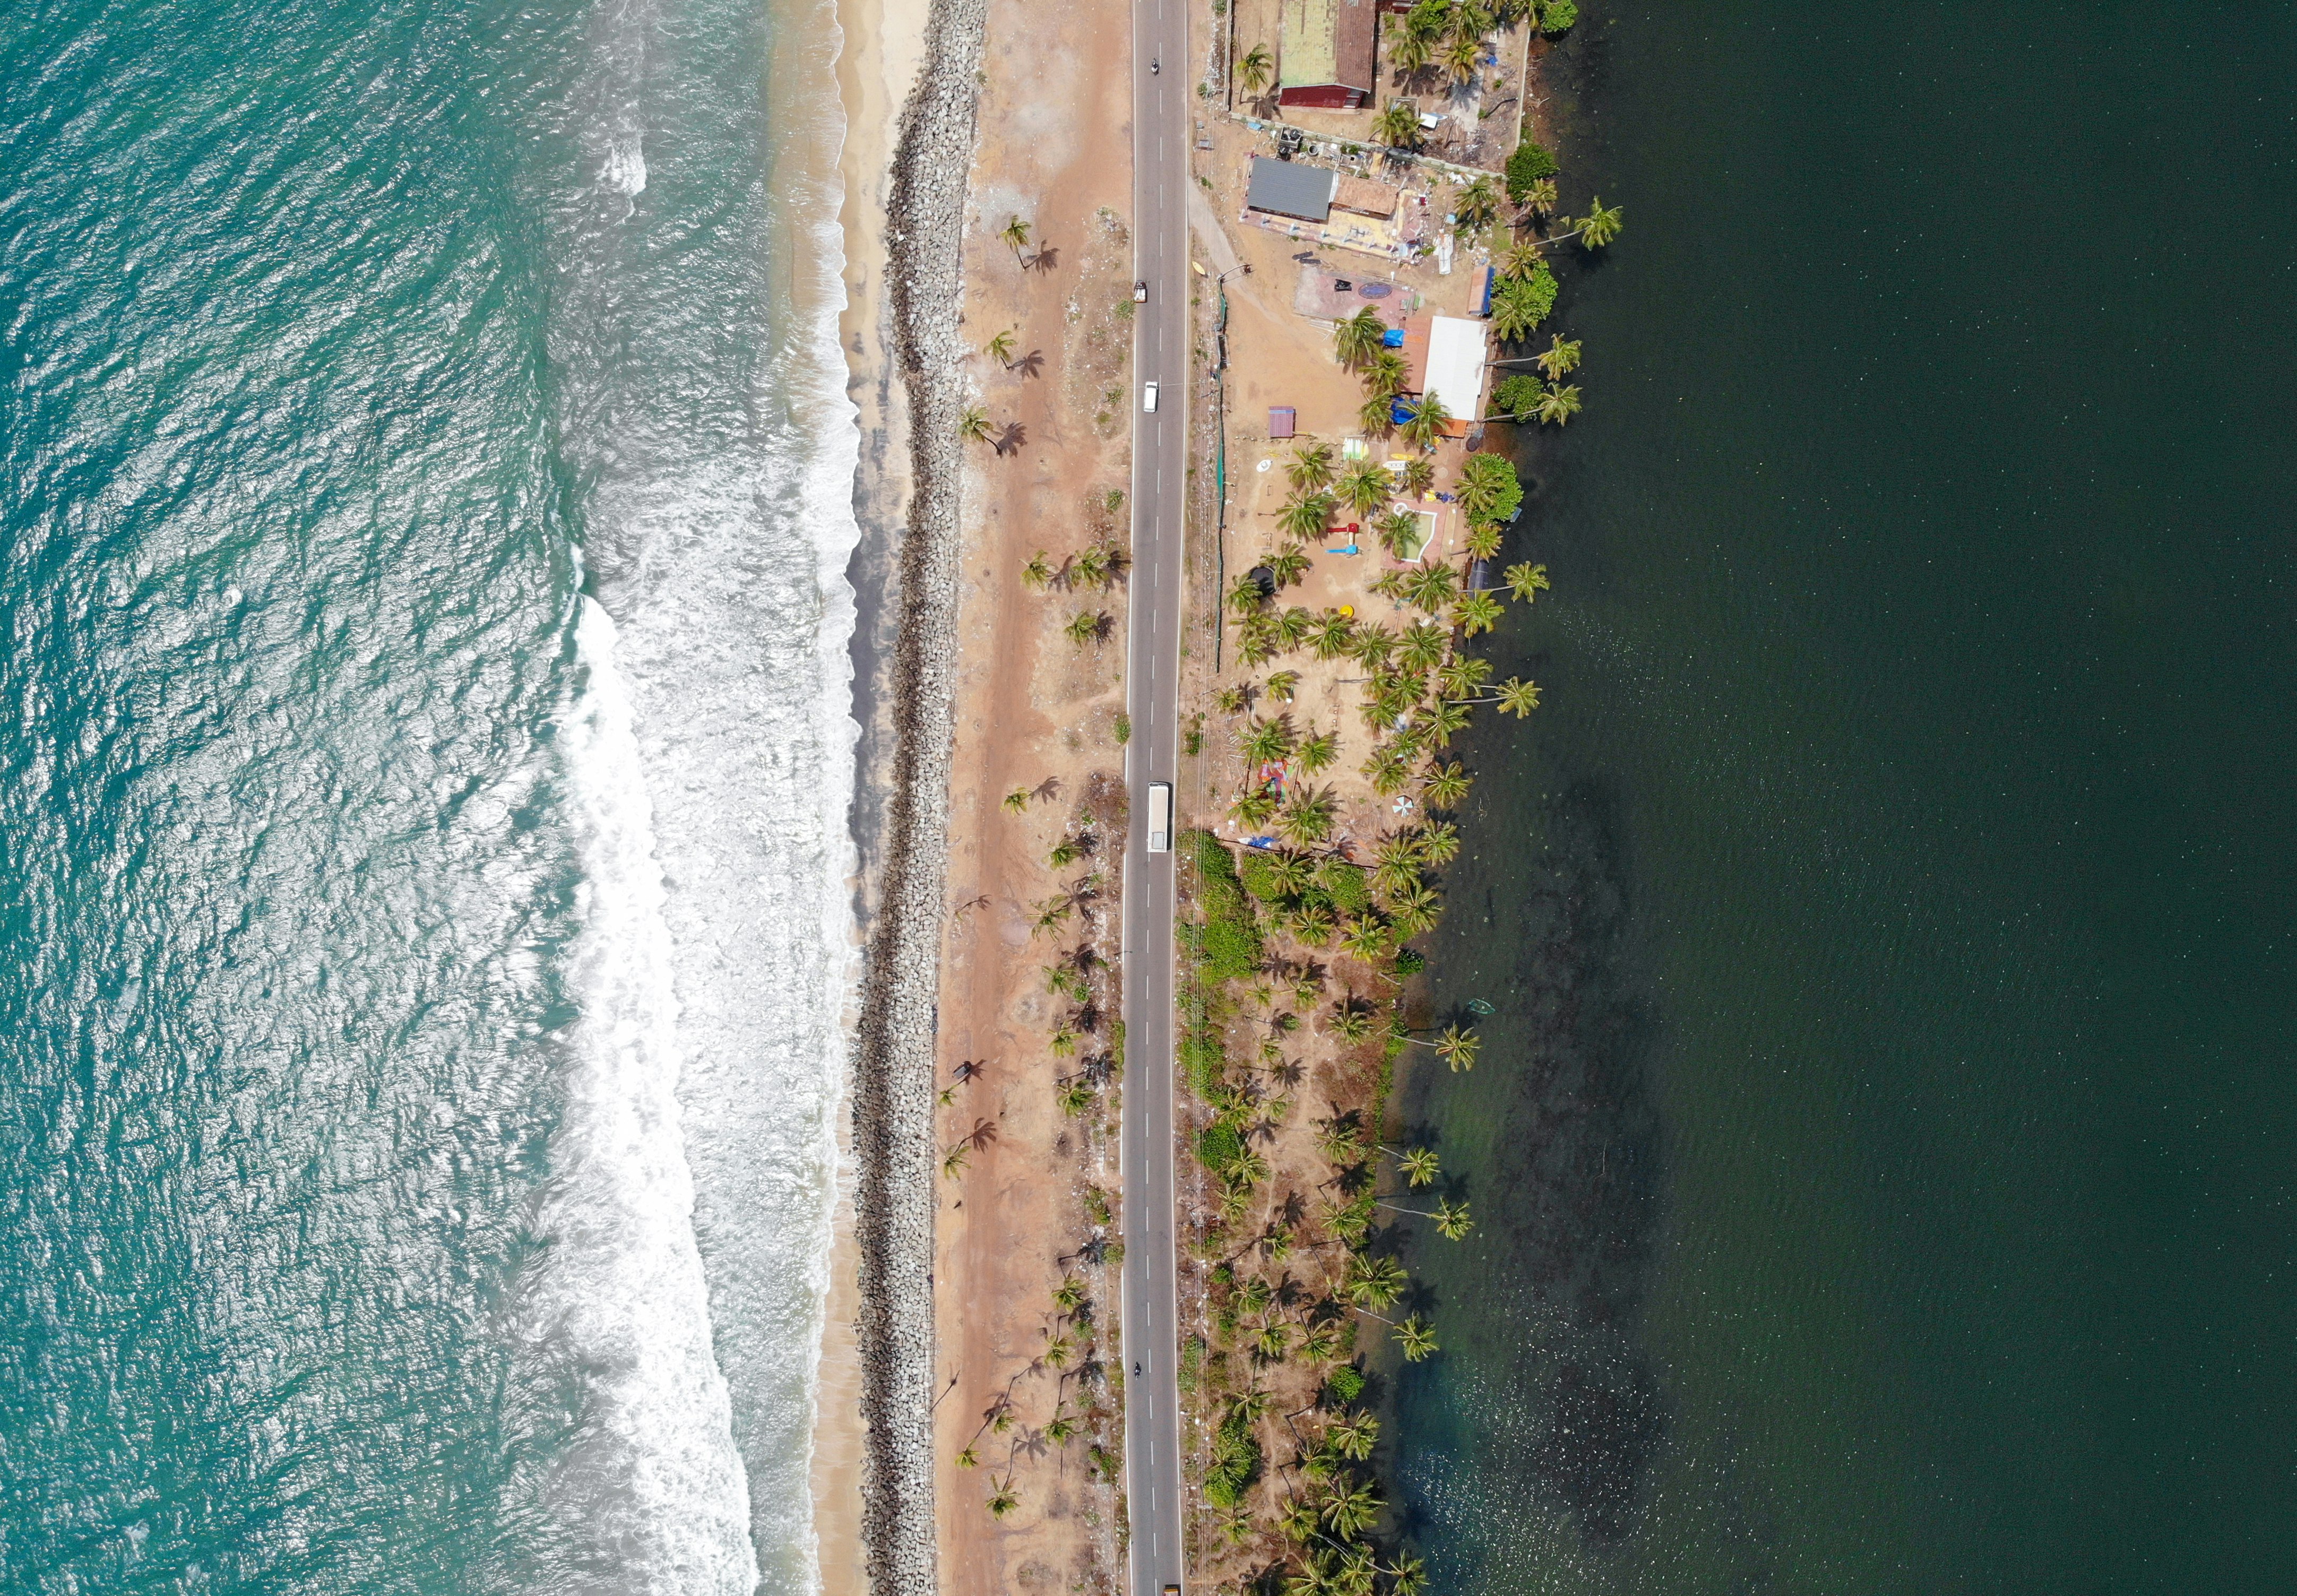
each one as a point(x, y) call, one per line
point(1231, 950)
point(1202, 1063)
point(1235, 1462)
point(1344, 884)
point(1219, 1147)
point(1557, 16)
point(1343, 1385)
point(1532, 296)
point(1123, 726)
point(1410, 961)
point(1257, 871)
point(1530, 163)
point(1518, 396)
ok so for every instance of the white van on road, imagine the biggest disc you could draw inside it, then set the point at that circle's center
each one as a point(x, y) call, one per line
point(1160, 817)
point(1149, 398)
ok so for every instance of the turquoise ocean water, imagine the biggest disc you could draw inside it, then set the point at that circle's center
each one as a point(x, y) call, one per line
point(425, 492)
point(1882, 1141)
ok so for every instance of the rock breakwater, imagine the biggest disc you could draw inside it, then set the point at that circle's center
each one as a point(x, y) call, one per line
point(894, 1049)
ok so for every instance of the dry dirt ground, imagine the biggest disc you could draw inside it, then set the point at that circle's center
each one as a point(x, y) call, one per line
point(1036, 713)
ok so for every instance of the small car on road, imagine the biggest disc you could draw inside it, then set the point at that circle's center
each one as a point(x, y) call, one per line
point(1139, 291)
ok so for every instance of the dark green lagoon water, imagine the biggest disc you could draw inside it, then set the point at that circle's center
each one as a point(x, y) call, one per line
point(1883, 1144)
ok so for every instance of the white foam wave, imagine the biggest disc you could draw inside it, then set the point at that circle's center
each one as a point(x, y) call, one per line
point(655, 1492)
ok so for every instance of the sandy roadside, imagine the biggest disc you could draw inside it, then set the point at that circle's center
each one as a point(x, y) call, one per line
point(1036, 711)
point(877, 62)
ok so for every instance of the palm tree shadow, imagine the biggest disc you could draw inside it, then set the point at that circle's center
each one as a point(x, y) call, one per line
point(1010, 440)
point(1030, 365)
point(1045, 259)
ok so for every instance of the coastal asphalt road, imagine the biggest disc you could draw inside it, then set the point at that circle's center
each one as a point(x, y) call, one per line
point(1160, 237)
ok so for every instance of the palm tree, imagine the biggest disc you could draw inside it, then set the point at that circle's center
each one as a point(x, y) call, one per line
point(1539, 198)
point(1468, 19)
point(1418, 475)
point(1016, 800)
point(1419, 1340)
point(1602, 224)
point(1333, 634)
point(1371, 646)
point(1518, 697)
point(1310, 468)
point(1373, 1283)
point(1415, 909)
point(1427, 422)
point(1321, 1343)
point(1016, 233)
point(1431, 586)
point(1091, 567)
point(1364, 486)
point(1320, 752)
point(1477, 203)
point(1423, 648)
point(1446, 786)
point(1308, 817)
point(1483, 540)
point(1356, 338)
point(1476, 611)
point(1484, 482)
point(1561, 358)
point(1350, 1512)
point(1312, 925)
point(1366, 937)
point(1438, 842)
point(1377, 416)
point(1288, 564)
point(1513, 319)
point(1354, 1436)
point(1461, 676)
point(1458, 54)
point(1085, 627)
point(1398, 530)
point(1349, 1023)
point(1385, 372)
point(1255, 70)
point(973, 424)
point(1526, 582)
point(1559, 402)
point(1419, 1167)
point(1519, 260)
point(1245, 597)
point(1282, 683)
point(1267, 740)
point(1000, 349)
point(1445, 721)
point(953, 1162)
point(1292, 629)
point(1038, 572)
point(1458, 1048)
point(1305, 518)
point(1397, 125)
point(1297, 1520)
point(1413, 51)
point(1452, 1221)
point(1410, 1575)
point(1001, 1500)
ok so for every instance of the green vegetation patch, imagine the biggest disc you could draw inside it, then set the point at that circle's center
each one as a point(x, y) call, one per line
point(1344, 884)
point(1235, 1462)
point(1219, 1147)
point(1530, 163)
point(1343, 1385)
point(1258, 874)
point(1226, 947)
point(1204, 1063)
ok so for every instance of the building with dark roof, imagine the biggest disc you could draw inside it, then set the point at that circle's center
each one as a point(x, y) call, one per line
point(1291, 188)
